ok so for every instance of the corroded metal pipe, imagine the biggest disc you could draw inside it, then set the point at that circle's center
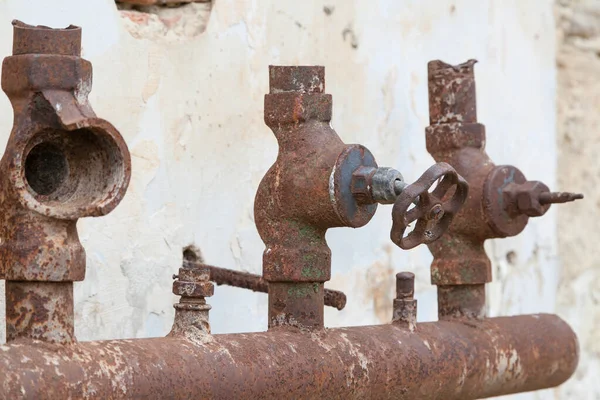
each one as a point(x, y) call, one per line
point(318, 182)
point(305, 192)
point(440, 360)
point(61, 163)
point(500, 199)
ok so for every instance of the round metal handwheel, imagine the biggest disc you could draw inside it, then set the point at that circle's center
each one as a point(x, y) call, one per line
point(433, 211)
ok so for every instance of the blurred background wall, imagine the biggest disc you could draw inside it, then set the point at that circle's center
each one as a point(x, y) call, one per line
point(185, 87)
point(578, 126)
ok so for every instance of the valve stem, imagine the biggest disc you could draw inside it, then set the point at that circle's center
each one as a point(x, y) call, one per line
point(559, 197)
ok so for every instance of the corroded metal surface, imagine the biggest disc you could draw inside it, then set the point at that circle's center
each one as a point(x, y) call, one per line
point(306, 192)
point(317, 183)
point(191, 312)
point(500, 199)
point(256, 283)
point(447, 360)
point(28, 39)
point(405, 306)
point(40, 310)
point(61, 163)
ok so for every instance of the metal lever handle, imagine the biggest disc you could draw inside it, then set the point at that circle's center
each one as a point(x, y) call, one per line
point(433, 211)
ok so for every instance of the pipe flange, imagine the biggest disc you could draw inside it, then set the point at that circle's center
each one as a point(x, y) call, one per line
point(496, 212)
point(347, 207)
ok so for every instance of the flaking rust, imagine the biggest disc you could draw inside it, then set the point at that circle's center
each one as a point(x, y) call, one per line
point(61, 163)
point(447, 360)
point(500, 199)
point(306, 192)
point(318, 182)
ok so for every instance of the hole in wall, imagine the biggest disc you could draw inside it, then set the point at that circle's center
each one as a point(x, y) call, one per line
point(192, 253)
point(165, 20)
point(511, 257)
point(46, 168)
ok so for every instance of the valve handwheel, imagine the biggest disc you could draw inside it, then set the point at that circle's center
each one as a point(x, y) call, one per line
point(433, 211)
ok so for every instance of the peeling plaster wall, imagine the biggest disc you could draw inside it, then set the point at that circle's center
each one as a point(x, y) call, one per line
point(188, 98)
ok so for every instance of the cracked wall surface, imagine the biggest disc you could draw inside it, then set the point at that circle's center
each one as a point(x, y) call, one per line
point(185, 88)
point(578, 100)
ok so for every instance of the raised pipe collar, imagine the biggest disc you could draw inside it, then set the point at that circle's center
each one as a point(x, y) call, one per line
point(317, 183)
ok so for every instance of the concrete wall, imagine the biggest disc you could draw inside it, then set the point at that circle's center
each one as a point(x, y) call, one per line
point(185, 87)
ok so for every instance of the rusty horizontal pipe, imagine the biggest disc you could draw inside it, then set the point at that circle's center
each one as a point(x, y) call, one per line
point(440, 360)
point(256, 283)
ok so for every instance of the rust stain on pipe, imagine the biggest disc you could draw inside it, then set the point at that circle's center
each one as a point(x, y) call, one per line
point(61, 163)
point(500, 199)
point(43, 309)
point(318, 182)
point(447, 360)
point(305, 192)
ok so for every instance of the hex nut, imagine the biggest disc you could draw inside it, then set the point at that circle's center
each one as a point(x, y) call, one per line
point(362, 180)
point(525, 198)
point(193, 289)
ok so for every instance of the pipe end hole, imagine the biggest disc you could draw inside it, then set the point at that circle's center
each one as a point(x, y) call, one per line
point(46, 168)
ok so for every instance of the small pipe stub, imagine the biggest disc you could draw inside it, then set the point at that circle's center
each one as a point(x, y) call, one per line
point(191, 312)
point(405, 306)
point(29, 39)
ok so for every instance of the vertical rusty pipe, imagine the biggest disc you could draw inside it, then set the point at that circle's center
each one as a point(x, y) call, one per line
point(500, 199)
point(460, 268)
point(61, 163)
point(405, 306)
point(40, 310)
point(306, 192)
point(292, 300)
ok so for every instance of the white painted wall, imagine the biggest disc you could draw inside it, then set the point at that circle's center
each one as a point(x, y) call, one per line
point(190, 107)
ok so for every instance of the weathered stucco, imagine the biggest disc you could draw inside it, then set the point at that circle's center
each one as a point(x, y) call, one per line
point(186, 91)
point(578, 63)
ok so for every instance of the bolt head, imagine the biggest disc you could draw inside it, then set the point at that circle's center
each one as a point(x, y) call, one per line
point(526, 198)
point(435, 213)
point(361, 185)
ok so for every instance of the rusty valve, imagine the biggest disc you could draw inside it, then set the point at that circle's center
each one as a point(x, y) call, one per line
point(433, 211)
point(500, 202)
point(61, 163)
